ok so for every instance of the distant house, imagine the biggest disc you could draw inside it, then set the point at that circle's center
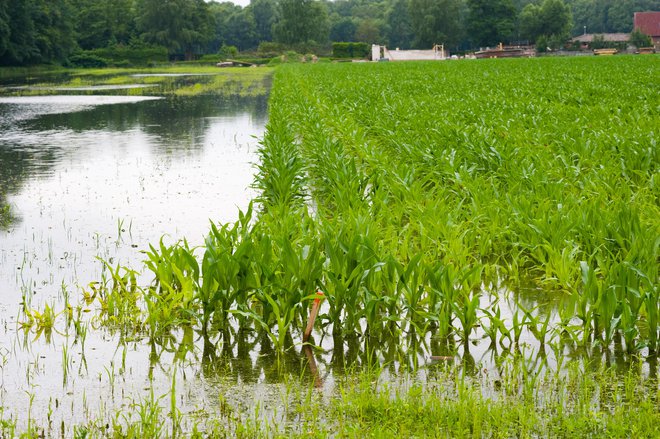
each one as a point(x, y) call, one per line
point(648, 23)
point(587, 39)
point(382, 53)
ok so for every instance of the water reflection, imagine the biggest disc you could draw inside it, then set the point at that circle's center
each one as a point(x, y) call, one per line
point(106, 176)
point(89, 176)
point(247, 357)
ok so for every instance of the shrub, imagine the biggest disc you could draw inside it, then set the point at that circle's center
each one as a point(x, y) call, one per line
point(600, 43)
point(87, 60)
point(350, 50)
point(133, 55)
point(210, 58)
point(227, 52)
point(275, 61)
point(542, 43)
point(640, 39)
point(269, 49)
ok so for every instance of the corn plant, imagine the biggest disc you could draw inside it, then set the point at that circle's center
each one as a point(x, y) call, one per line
point(227, 268)
point(169, 300)
point(119, 297)
point(350, 256)
point(497, 329)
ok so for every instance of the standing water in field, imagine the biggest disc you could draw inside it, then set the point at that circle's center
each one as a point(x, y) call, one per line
point(90, 177)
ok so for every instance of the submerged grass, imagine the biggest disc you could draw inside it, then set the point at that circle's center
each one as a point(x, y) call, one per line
point(167, 80)
point(518, 403)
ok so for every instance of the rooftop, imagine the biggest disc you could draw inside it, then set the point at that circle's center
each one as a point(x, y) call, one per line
point(648, 23)
point(588, 38)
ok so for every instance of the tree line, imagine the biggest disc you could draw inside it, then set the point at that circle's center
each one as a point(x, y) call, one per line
point(43, 31)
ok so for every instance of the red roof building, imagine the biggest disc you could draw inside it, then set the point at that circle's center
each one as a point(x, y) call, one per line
point(648, 23)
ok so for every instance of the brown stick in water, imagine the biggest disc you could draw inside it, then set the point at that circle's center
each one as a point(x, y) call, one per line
point(312, 317)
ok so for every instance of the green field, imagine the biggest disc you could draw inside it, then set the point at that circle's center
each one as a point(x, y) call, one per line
point(430, 185)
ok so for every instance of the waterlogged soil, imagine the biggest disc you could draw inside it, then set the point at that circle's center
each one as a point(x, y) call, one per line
point(89, 177)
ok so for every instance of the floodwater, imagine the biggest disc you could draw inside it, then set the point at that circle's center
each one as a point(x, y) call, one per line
point(89, 177)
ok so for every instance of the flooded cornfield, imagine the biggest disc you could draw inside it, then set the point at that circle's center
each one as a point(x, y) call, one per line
point(183, 254)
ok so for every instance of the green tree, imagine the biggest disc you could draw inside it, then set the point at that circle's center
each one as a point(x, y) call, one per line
point(342, 28)
point(36, 31)
point(234, 26)
point(491, 21)
point(5, 31)
point(368, 31)
point(182, 26)
point(53, 22)
point(265, 14)
point(301, 21)
point(640, 39)
point(602, 16)
point(529, 22)
point(400, 28)
point(100, 23)
point(551, 19)
point(589, 15)
point(20, 46)
point(435, 22)
point(556, 18)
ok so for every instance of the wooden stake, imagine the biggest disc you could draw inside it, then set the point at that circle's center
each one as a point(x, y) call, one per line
point(312, 317)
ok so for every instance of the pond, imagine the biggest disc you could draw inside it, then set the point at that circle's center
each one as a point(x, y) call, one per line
point(104, 176)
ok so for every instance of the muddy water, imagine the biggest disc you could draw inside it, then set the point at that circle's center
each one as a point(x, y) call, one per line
point(90, 177)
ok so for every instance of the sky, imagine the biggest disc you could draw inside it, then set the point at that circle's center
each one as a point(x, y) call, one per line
point(236, 2)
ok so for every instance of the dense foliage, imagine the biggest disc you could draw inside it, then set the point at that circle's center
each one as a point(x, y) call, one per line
point(350, 50)
point(41, 31)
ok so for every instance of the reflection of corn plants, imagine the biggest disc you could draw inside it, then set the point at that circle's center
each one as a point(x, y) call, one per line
point(496, 329)
point(43, 322)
